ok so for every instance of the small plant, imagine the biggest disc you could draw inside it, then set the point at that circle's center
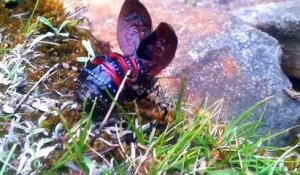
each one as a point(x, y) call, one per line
point(91, 54)
point(11, 65)
point(28, 28)
point(57, 31)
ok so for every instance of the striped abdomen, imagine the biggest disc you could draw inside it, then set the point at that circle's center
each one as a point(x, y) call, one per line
point(103, 76)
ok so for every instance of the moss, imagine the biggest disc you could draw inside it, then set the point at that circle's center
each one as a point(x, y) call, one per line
point(67, 50)
point(53, 159)
point(51, 122)
point(72, 117)
point(11, 26)
point(2, 88)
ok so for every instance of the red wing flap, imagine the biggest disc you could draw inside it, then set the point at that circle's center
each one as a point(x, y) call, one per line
point(134, 24)
point(159, 48)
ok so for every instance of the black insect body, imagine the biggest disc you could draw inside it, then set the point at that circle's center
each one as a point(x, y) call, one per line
point(146, 54)
point(103, 76)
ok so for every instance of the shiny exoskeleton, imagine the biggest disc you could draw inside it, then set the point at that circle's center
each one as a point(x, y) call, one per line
point(146, 54)
point(102, 77)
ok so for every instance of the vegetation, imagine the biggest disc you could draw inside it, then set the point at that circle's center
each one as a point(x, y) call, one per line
point(48, 135)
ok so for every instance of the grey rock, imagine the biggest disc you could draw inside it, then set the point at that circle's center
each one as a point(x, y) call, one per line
point(276, 18)
point(282, 21)
point(241, 65)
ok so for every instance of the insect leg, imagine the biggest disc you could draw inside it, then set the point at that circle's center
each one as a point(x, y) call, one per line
point(292, 93)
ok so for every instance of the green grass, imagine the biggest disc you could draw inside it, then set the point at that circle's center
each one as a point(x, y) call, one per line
point(8, 158)
point(186, 145)
point(28, 27)
point(192, 143)
point(75, 152)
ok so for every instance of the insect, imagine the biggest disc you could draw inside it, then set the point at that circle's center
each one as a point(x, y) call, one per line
point(146, 54)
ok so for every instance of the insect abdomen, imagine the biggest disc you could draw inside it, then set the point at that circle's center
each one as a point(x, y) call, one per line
point(103, 76)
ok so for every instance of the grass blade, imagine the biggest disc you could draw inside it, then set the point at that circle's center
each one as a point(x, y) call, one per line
point(5, 163)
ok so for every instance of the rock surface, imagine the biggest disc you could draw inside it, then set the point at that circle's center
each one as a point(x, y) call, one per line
point(282, 21)
point(228, 4)
point(221, 56)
